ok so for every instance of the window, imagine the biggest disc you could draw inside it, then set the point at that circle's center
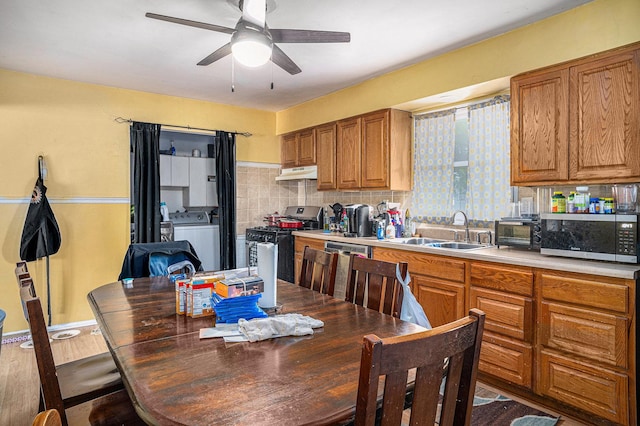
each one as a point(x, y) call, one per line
point(462, 162)
point(461, 159)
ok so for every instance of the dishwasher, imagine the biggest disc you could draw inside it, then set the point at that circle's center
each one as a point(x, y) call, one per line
point(344, 251)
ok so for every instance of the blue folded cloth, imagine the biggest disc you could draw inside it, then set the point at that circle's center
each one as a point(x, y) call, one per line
point(230, 310)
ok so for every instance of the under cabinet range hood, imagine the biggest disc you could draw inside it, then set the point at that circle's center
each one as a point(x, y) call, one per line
point(295, 173)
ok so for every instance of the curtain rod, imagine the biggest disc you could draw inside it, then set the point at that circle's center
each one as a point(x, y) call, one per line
point(460, 105)
point(128, 120)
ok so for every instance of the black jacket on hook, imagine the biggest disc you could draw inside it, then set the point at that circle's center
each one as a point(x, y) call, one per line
point(41, 235)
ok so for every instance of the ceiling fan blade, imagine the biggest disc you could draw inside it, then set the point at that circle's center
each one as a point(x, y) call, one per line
point(189, 23)
point(309, 36)
point(218, 54)
point(254, 11)
point(283, 61)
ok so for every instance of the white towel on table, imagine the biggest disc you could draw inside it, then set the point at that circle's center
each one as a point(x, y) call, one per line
point(277, 326)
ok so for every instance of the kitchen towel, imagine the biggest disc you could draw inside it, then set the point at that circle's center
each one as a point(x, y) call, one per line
point(278, 326)
point(268, 271)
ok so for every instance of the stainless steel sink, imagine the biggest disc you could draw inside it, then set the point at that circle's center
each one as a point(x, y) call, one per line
point(432, 242)
point(459, 246)
point(422, 241)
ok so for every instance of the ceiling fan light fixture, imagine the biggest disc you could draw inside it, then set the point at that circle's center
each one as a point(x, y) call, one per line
point(251, 48)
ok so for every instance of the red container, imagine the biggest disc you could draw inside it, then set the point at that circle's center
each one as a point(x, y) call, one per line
point(290, 223)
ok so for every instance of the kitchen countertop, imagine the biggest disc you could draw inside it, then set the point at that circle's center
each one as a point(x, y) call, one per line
point(506, 255)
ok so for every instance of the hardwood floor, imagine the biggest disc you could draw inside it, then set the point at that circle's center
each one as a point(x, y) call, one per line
point(19, 383)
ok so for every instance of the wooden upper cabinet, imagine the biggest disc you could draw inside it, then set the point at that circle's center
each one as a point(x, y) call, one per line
point(375, 150)
point(307, 148)
point(386, 150)
point(539, 131)
point(289, 155)
point(605, 123)
point(578, 122)
point(348, 149)
point(326, 156)
point(298, 149)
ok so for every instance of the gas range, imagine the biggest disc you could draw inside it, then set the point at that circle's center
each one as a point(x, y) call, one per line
point(310, 216)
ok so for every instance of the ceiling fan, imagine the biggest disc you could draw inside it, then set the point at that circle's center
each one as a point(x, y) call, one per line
point(253, 42)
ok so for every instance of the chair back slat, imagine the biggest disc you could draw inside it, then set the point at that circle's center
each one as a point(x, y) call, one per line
point(49, 384)
point(378, 281)
point(452, 348)
point(318, 271)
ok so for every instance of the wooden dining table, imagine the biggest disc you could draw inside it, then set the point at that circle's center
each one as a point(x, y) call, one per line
point(175, 378)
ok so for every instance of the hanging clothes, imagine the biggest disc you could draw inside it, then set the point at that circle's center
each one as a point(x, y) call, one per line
point(40, 235)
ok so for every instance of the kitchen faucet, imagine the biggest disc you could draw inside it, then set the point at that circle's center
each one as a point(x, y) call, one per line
point(466, 224)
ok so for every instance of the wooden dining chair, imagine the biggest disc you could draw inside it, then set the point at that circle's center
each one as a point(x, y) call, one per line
point(456, 344)
point(318, 270)
point(377, 281)
point(93, 380)
point(48, 418)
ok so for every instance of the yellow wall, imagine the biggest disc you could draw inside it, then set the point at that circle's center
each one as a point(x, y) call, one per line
point(591, 28)
point(87, 154)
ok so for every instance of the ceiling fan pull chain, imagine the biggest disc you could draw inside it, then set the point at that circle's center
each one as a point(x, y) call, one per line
point(233, 73)
point(271, 71)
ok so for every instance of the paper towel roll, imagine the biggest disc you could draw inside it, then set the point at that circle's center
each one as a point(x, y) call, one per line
point(268, 271)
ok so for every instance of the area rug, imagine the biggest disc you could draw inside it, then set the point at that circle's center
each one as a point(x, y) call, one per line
point(490, 408)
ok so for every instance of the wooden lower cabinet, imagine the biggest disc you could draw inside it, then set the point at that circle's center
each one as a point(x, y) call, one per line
point(437, 282)
point(586, 336)
point(506, 359)
point(586, 386)
point(300, 243)
point(442, 301)
point(505, 294)
point(562, 340)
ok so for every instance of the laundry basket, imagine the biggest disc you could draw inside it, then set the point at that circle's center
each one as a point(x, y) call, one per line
point(2, 316)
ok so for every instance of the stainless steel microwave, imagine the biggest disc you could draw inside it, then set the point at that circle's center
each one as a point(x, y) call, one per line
point(612, 237)
point(521, 233)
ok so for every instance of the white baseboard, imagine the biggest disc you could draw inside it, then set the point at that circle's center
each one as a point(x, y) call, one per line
point(57, 327)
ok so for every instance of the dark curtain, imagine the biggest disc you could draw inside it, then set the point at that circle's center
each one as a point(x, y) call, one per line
point(145, 146)
point(225, 153)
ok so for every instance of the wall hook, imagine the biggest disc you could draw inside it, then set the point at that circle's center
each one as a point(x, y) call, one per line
point(42, 168)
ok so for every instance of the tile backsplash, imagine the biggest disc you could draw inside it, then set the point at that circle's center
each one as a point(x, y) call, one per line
point(258, 194)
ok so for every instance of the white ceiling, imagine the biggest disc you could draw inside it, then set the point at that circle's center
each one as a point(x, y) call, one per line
point(112, 43)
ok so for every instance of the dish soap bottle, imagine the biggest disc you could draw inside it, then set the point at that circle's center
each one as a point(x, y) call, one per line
point(390, 232)
point(380, 230)
point(325, 216)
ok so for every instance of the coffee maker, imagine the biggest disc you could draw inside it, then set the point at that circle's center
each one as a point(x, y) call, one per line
point(359, 217)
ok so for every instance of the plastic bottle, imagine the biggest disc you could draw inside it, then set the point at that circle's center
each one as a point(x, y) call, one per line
point(581, 199)
point(326, 229)
point(164, 211)
point(380, 230)
point(390, 232)
point(608, 206)
point(173, 149)
point(558, 203)
point(571, 207)
point(345, 222)
point(408, 222)
point(399, 226)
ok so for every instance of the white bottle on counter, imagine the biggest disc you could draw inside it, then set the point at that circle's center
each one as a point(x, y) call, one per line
point(390, 232)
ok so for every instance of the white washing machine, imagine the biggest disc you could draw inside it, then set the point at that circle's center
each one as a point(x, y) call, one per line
point(204, 237)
